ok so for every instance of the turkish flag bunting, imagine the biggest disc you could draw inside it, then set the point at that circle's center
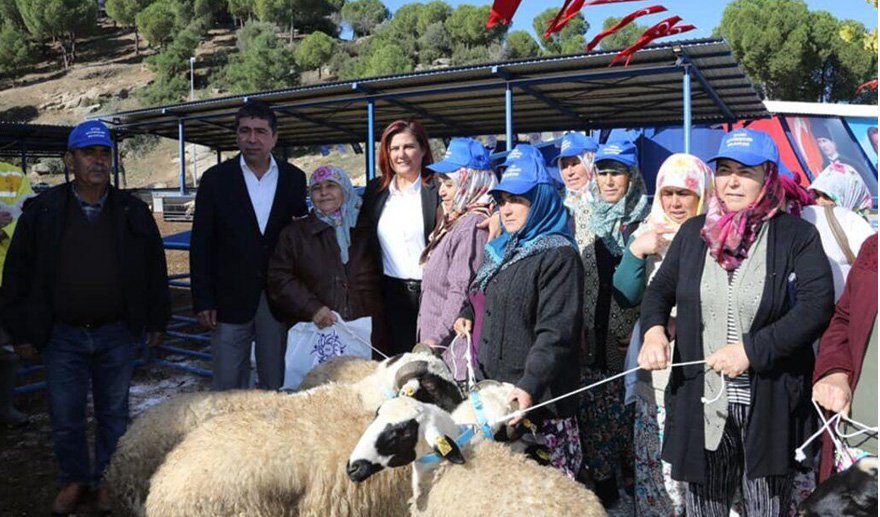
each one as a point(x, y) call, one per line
point(661, 30)
point(870, 85)
point(570, 9)
point(626, 20)
point(502, 12)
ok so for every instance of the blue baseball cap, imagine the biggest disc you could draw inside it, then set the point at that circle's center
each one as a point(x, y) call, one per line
point(529, 151)
point(576, 144)
point(523, 151)
point(622, 151)
point(522, 175)
point(463, 152)
point(89, 133)
point(748, 147)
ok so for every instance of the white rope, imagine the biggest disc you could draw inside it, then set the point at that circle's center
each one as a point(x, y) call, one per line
point(469, 357)
point(522, 412)
point(799, 454)
point(344, 326)
point(863, 429)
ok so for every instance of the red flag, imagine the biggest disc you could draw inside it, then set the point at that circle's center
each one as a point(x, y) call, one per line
point(870, 85)
point(502, 12)
point(570, 9)
point(661, 30)
point(626, 20)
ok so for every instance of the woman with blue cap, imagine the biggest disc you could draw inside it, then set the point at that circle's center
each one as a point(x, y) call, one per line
point(531, 288)
point(753, 291)
point(576, 162)
point(618, 206)
point(455, 248)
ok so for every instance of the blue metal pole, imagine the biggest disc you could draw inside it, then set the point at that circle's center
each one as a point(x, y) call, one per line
point(371, 140)
point(508, 115)
point(181, 150)
point(686, 93)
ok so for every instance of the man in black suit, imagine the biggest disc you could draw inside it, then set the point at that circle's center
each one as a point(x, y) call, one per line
point(242, 205)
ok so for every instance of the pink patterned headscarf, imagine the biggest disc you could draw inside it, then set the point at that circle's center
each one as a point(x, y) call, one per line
point(730, 234)
point(796, 197)
point(682, 171)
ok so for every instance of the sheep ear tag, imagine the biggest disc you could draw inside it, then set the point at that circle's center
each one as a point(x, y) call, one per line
point(446, 447)
point(407, 391)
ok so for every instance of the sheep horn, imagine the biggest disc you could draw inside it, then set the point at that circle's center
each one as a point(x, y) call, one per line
point(485, 383)
point(409, 371)
point(424, 348)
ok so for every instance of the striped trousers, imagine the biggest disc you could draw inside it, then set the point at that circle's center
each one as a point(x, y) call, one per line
point(725, 472)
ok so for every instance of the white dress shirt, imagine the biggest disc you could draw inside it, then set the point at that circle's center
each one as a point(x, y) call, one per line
point(261, 191)
point(401, 232)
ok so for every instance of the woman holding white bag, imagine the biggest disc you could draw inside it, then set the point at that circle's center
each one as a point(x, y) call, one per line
point(322, 264)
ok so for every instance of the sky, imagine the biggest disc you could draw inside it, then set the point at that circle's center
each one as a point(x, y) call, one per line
point(705, 14)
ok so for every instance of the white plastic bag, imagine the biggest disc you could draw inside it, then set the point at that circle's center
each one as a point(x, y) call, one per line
point(309, 346)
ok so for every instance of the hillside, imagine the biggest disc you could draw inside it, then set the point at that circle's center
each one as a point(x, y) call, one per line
point(107, 78)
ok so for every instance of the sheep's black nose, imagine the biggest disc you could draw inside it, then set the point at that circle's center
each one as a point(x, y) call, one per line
point(361, 470)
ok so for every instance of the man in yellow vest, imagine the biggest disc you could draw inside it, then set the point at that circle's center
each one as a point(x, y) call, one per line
point(14, 189)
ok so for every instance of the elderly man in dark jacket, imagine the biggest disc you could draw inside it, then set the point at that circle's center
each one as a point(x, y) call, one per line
point(85, 280)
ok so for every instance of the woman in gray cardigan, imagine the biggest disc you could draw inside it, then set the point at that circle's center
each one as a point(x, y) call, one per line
point(753, 290)
point(455, 248)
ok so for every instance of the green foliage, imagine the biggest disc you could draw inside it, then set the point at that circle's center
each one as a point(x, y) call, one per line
point(9, 13)
point(241, 9)
point(207, 9)
point(264, 62)
point(434, 43)
point(841, 65)
point(386, 60)
point(171, 67)
point(344, 62)
point(302, 15)
point(157, 22)
point(63, 20)
point(793, 54)
point(464, 55)
point(567, 41)
point(364, 15)
point(315, 51)
point(521, 44)
point(467, 26)
point(16, 50)
point(623, 38)
point(431, 13)
point(406, 20)
point(125, 11)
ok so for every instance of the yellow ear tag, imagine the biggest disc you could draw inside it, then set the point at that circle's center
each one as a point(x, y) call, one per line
point(543, 454)
point(443, 446)
point(408, 391)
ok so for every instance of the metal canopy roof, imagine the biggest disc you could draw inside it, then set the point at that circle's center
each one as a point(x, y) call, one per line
point(32, 140)
point(549, 94)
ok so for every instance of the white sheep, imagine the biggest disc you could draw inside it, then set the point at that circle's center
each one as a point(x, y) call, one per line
point(154, 434)
point(343, 369)
point(488, 479)
point(290, 459)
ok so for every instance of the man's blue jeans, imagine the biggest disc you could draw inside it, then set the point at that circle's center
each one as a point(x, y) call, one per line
point(75, 358)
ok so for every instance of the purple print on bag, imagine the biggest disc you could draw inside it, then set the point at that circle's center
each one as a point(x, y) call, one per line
point(328, 346)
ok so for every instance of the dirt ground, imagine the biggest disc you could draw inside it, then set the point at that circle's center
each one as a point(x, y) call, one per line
point(28, 469)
